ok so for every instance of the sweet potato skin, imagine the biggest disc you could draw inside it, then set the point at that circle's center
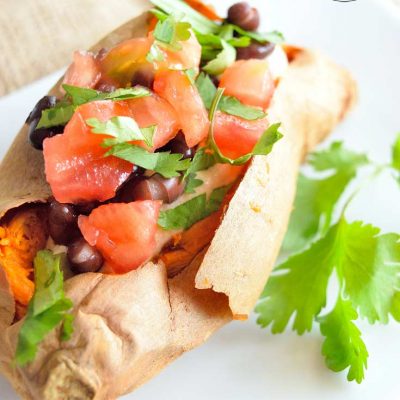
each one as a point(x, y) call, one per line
point(129, 327)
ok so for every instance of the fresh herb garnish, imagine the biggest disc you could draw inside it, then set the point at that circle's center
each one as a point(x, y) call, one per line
point(228, 104)
point(187, 214)
point(122, 129)
point(317, 197)
point(56, 116)
point(76, 96)
point(198, 21)
point(166, 164)
point(47, 309)
point(222, 61)
point(396, 155)
point(365, 262)
point(168, 34)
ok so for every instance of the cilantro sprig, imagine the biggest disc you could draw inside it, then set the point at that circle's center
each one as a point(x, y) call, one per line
point(48, 308)
point(194, 210)
point(76, 96)
point(365, 262)
point(218, 41)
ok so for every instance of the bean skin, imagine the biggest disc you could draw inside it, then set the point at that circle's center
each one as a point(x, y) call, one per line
point(255, 50)
point(244, 16)
point(83, 257)
point(178, 146)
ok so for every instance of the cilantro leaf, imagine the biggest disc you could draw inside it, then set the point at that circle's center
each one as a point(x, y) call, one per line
point(233, 106)
point(369, 265)
point(206, 89)
point(272, 37)
point(223, 60)
point(202, 160)
point(343, 346)
point(56, 116)
point(198, 21)
point(166, 164)
point(80, 95)
point(187, 214)
point(298, 287)
point(123, 129)
point(47, 309)
point(63, 111)
point(396, 154)
point(171, 32)
point(316, 198)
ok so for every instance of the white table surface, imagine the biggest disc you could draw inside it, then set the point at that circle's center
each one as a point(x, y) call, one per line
point(242, 361)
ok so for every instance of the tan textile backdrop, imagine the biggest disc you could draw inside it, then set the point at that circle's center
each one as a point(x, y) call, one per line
point(38, 36)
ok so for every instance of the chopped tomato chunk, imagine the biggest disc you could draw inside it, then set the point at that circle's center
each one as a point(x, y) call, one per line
point(176, 88)
point(123, 233)
point(250, 81)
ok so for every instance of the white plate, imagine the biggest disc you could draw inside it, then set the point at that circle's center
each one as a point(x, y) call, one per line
point(243, 361)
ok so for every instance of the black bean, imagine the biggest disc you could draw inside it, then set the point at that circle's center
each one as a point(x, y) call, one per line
point(83, 257)
point(142, 188)
point(255, 50)
point(43, 104)
point(37, 136)
point(174, 186)
point(244, 16)
point(178, 146)
point(86, 208)
point(143, 77)
point(63, 223)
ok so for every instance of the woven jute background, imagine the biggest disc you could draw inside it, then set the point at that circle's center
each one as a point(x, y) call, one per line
point(38, 36)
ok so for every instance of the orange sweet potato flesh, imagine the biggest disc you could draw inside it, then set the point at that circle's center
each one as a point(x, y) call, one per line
point(20, 239)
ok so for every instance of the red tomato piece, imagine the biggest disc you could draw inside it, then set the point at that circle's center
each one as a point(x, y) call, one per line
point(153, 110)
point(123, 60)
point(84, 71)
point(250, 81)
point(123, 233)
point(75, 166)
point(176, 88)
point(235, 136)
point(187, 58)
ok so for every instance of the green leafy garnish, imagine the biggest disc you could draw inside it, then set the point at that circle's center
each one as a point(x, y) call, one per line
point(47, 309)
point(343, 346)
point(168, 33)
point(198, 21)
point(365, 263)
point(223, 60)
point(76, 96)
point(271, 37)
point(122, 129)
point(317, 197)
point(206, 89)
point(194, 210)
point(233, 106)
point(396, 154)
point(166, 164)
point(202, 160)
point(59, 115)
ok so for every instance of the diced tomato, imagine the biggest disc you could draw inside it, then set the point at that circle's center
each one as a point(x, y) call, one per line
point(76, 168)
point(123, 233)
point(153, 110)
point(121, 62)
point(176, 88)
point(250, 81)
point(187, 58)
point(84, 71)
point(235, 136)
